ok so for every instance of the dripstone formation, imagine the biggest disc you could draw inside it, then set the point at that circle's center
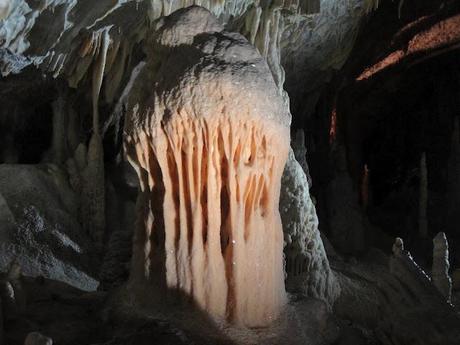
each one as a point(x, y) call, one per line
point(208, 134)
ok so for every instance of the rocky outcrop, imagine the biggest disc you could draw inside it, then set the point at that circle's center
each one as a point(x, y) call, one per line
point(307, 266)
point(208, 134)
point(40, 229)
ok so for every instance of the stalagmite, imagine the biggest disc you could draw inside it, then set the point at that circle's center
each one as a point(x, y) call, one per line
point(307, 266)
point(440, 270)
point(300, 152)
point(93, 201)
point(208, 134)
point(423, 198)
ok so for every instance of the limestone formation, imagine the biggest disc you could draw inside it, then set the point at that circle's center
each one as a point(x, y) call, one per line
point(93, 190)
point(300, 152)
point(35, 338)
point(307, 266)
point(208, 134)
point(40, 228)
point(440, 270)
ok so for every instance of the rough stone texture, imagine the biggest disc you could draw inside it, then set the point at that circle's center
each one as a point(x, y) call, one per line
point(396, 299)
point(38, 212)
point(440, 269)
point(115, 266)
point(307, 266)
point(58, 311)
point(315, 46)
point(208, 134)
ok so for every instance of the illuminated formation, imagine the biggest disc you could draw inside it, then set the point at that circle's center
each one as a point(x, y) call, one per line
point(208, 134)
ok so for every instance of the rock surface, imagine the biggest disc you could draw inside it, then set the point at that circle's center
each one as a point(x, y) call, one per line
point(40, 228)
point(307, 266)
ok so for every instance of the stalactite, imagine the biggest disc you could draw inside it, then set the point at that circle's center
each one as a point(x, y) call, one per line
point(117, 70)
point(423, 198)
point(98, 75)
point(209, 156)
point(93, 200)
point(440, 270)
